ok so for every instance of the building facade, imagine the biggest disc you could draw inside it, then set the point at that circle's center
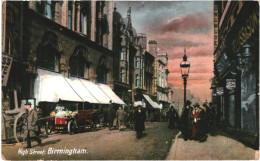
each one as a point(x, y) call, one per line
point(160, 85)
point(72, 38)
point(236, 67)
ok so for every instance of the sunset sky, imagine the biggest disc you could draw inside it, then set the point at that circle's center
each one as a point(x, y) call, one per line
point(177, 25)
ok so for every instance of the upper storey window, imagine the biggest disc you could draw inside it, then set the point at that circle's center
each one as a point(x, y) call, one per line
point(46, 8)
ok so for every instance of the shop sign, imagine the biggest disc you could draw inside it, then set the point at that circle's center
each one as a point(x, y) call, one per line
point(230, 84)
point(6, 67)
point(220, 91)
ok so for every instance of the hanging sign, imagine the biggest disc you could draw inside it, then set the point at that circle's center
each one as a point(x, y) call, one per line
point(220, 91)
point(6, 67)
point(230, 84)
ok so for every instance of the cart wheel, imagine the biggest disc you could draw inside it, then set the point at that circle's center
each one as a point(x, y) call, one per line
point(48, 128)
point(18, 128)
point(71, 127)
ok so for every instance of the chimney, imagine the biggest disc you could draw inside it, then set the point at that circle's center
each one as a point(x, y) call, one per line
point(152, 47)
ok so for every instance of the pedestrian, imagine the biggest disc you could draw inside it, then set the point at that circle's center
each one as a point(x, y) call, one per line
point(30, 125)
point(110, 116)
point(120, 117)
point(172, 118)
point(195, 114)
point(131, 117)
point(139, 117)
point(202, 124)
point(186, 121)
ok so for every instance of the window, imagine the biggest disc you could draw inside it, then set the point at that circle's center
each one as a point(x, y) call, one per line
point(49, 9)
point(136, 80)
point(122, 55)
point(78, 62)
point(48, 52)
point(70, 15)
point(46, 8)
point(137, 63)
point(102, 71)
point(122, 75)
point(83, 21)
point(162, 82)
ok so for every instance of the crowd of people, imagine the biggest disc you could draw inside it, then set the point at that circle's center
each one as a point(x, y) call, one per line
point(196, 121)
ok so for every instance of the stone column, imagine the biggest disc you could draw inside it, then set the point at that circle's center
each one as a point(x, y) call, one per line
point(110, 24)
point(64, 9)
point(93, 20)
point(3, 24)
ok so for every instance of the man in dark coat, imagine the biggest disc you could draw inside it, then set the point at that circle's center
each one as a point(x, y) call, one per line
point(139, 117)
point(110, 115)
point(30, 125)
point(173, 117)
point(186, 121)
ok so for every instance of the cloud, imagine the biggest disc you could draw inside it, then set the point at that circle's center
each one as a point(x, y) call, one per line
point(190, 23)
point(175, 26)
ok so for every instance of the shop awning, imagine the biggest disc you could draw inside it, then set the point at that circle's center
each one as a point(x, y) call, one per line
point(150, 101)
point(137, 103)
point(110, 93)
point(52, 87)
point(96, 91)
point(81, 90)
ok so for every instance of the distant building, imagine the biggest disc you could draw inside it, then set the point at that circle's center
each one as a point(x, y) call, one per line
point(161, 72)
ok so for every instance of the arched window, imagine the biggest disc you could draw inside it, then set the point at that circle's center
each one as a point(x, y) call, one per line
point(79, 61)
point(49, 51)
point(102, 70)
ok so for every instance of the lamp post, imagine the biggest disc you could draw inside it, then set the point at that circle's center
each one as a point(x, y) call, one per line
point(185, 68)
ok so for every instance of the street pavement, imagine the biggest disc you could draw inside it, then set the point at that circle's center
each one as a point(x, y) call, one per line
point(103, 144)
point(218, 147)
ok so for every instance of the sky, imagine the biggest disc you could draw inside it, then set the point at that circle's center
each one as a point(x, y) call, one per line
point(176, 25)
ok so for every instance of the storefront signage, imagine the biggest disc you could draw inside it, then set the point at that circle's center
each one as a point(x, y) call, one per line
point(230, 84)
point(155, 75)
point(6, 67)
point(220, 91)
point(246, 31)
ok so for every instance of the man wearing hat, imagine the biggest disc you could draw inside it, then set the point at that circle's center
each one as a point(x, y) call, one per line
point(30, 125)
point(186, 121)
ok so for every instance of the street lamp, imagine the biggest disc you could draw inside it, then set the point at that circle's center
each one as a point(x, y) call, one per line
point(185, 68)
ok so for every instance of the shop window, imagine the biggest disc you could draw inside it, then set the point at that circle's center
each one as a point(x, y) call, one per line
point(48, 52)
point(78, 62)
point(231, 107)
point(102, 71)
point(248, 97)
